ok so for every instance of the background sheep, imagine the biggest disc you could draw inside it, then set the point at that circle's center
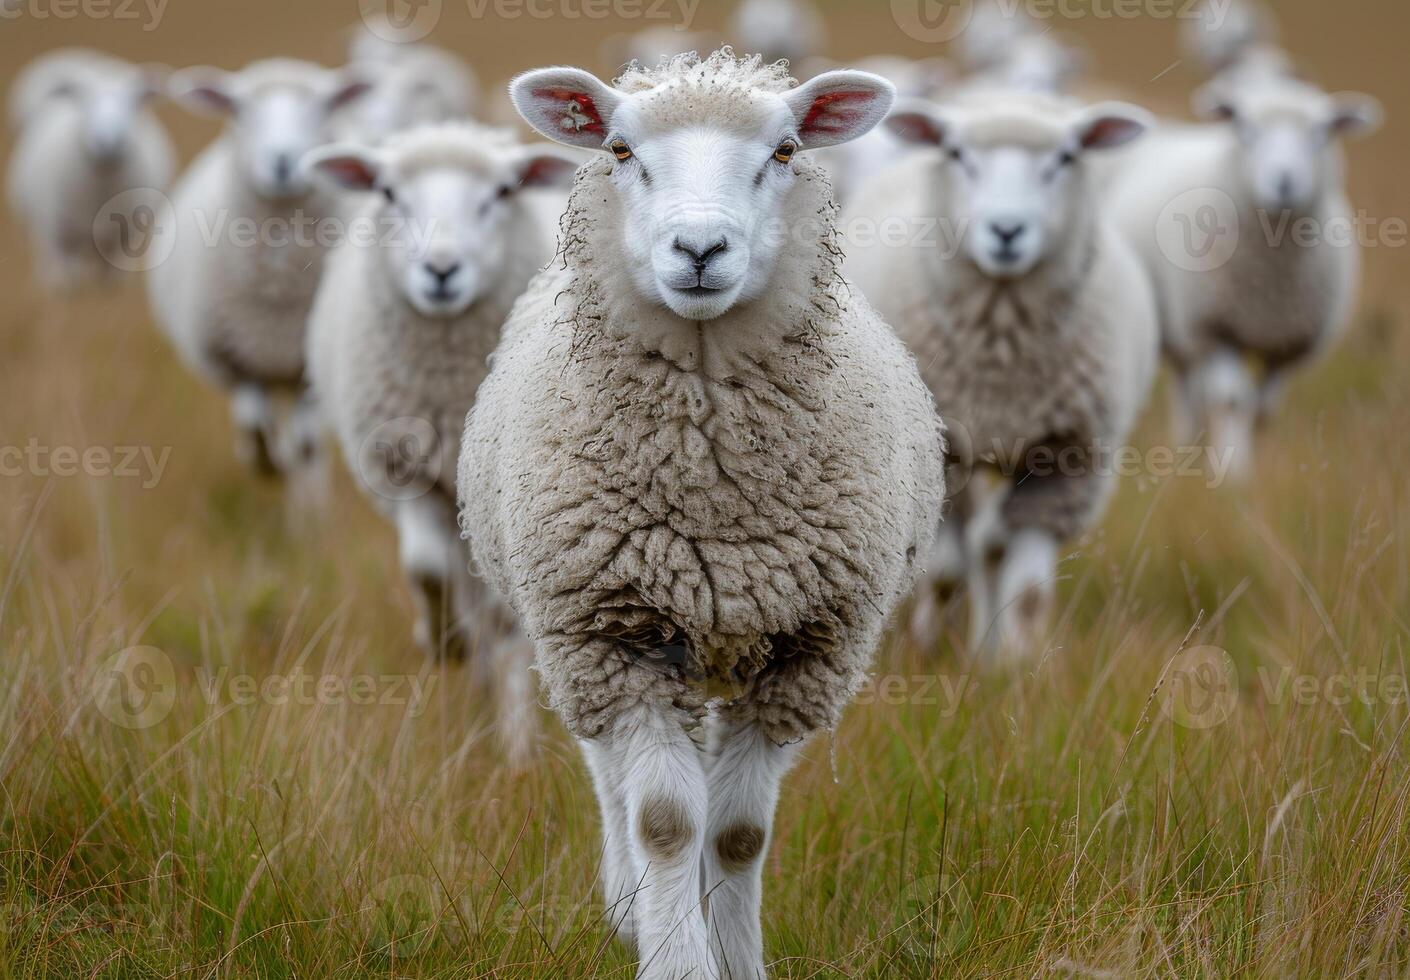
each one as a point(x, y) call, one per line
point(412, 84)
point(235, 305)
point(790, 30)
point(1004, 47)
point(1032, 324)
point(699, 454)
point(399, 340)
point(86, 137)
point(1212, 210)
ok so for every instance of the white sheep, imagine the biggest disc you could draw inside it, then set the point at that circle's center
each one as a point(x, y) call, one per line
point(1246, 231)
point(399, 341)
point(250, 235)
point(788, 30)
point(412, 84)
point(1224, 31)
point(1005, 47)
point(1033, 325)
point(87, 143)
point(699, 455)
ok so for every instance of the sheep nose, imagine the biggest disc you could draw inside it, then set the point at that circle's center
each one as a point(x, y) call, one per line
point(1007, 234)
point(442, 273)
point(702, 254)
point(283, 168)
point(1285, 187)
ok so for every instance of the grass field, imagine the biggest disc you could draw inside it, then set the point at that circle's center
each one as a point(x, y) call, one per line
point(302, 796)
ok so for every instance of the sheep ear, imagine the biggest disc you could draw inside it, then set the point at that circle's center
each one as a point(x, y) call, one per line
point(1111, 124)
point(154, 79)
point(354, 168)
point(1354, 114)
point(1213, 104)
point(545, 166)
point(839, 106)
point(205, 90)
point(916, 122)
point(566, 105)
point(347, 87)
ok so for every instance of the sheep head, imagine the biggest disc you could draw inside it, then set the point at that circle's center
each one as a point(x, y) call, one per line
point(109, 95)
point(449, 191)
point(1011, 177)
point(1288, 134)
point(704, 162)
point(278, 110)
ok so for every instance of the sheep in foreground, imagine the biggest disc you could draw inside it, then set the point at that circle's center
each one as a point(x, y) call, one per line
point(399, 341)
point(412, 84)
point(87, 144)
point(251, 232)
point(699, 457)
point(1033, 326)
point(1246, 231)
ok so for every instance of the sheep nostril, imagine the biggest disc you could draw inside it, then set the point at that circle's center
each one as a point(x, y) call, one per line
point(1285, 187)
point(442, 274)
point(701, 256)
point(1007, 234)
point(283, 168)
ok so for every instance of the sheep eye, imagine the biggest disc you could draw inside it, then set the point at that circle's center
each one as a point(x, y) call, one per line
point(956, 154)
point(390, 195)
point(620, 150)
point(1066, 158)
point(785, 151)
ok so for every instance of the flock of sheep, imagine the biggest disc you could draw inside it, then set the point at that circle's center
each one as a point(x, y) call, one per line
point(682, 416)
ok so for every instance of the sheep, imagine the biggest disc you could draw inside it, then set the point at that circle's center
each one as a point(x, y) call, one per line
point(1005, 48)
point(412, 84)
point(1244, 303)
point(1223, 33)
point(88, 167)
point(779, 30)
point(699, 456)
point(233, 299)
point(1033, 325)
point(398, 342)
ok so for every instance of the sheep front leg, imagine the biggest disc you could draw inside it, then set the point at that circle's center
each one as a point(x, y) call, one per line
point(945, 570)
point(305, 462)
point(429, 548)
point(620, 876)
point(745, 771)
point(663, 792)
point(252, 410)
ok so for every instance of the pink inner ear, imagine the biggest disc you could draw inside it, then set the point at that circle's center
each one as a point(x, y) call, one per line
point(543, 171)
point(585, 105)
point(350, 171)
point(835, 112)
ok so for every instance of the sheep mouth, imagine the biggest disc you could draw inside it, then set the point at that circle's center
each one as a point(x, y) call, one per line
point(699, 290)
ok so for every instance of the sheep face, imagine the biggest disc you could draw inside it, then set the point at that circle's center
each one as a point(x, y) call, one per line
point(109, 103)
point(277, 112)
point(1011, 181)
point(451, 192)
point(1287, 135)
point(702, 170)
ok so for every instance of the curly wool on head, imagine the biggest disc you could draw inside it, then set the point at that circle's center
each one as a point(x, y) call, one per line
point(722, 69)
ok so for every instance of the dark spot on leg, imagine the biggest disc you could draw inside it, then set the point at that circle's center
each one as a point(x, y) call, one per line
point(665, 828)
point(739, 846)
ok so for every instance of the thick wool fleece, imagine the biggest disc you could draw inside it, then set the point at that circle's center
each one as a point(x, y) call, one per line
point(664, 501)
point(373, 358)
point(1062, 359)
